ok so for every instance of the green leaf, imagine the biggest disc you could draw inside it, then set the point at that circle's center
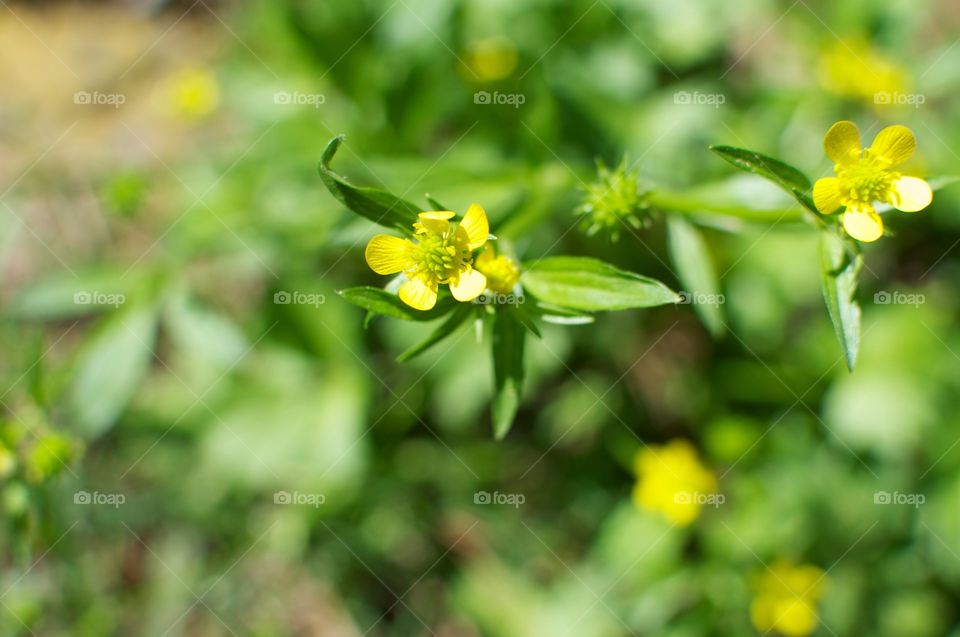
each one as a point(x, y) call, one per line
point(382, 302)
point(65, 295)
point(436, 205)
point(445, 329)
point(582, 283)
point(527, 320)
point(696, 271)
point(376, 205)
point(937, 183)
point(110, 368)
point(788, 177)
point(840, 264)
point(508, 343)
point(559, 315)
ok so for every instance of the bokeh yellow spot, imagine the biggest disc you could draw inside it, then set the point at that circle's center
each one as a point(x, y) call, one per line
point(194, 93)
point(491, 59)
point(672, 481)
point(786, 599)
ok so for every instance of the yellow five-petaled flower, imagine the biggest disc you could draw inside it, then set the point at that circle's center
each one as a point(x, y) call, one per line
point(441, 253)
point(867, 175)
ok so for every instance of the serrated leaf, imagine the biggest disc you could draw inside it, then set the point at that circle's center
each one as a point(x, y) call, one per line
point(460, 314)
point(508, 343)
point(779, 172)
point(374, 204)
point(583, 283)
point(109, 369)
point(382, 302)
point(840, 270)
point(696, 271)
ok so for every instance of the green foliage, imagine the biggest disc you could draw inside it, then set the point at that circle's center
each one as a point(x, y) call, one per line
point(840, 264)
point(587, 284)
point(691, 257)
point(376, 205)
point(508, 347)
point(222, 414)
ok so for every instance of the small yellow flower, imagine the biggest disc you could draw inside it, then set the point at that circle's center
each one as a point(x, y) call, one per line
point(441, 253)
point(671, 480)
point(786, 599)
point(866, 175)
point(491, 59)
point(194, 93)
point(501, 271)
point(853, 68)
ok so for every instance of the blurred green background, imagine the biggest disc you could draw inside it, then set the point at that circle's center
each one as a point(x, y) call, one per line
point(199, 437)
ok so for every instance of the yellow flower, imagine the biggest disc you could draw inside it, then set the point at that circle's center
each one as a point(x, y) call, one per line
point(491, 59)
point(441, 253)
point(786, 599)
point(866, 175)
point(194, 93)
point(852, 68)
point(501, 271)
point(671, 480)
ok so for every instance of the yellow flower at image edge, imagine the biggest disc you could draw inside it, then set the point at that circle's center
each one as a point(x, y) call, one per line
point(441, 253)
point(786, 599)
point(672, 481)
point(867, 175)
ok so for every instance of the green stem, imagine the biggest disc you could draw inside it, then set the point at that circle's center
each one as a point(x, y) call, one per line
point(692, 206)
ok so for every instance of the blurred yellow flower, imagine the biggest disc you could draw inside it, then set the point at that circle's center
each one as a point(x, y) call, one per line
point(672, 481)
point(194, 93)
point(786, 599)
point(441, 253)
point(501, 271)
point(491, 59)
point(866, 175)
point(851, 68)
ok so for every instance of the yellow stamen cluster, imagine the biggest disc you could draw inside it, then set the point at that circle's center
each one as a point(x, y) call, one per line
point(441, 255)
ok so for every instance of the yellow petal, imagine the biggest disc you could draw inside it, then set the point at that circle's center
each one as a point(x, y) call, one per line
point(469, 286)
point(420, 292)
point(842, 142)
point(441, 215)
point(826, 194)
point(863, 225)
point(476, 224)
point(388, 255)
point(895, 143)
point(436, 221)
point(912, 194)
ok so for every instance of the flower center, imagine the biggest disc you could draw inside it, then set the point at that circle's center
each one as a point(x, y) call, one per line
point(442, 255)
point(867, 180)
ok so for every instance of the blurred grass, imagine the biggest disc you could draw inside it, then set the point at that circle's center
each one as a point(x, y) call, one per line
point(198, 397)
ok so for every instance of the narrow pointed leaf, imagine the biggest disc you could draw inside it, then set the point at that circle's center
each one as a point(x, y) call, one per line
point(508, 343)
point(445, 329)
point(382, 302)
point(374, 204)
point(696, 271)
point(109, 370)
point(779, 172)
point(840, 270)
